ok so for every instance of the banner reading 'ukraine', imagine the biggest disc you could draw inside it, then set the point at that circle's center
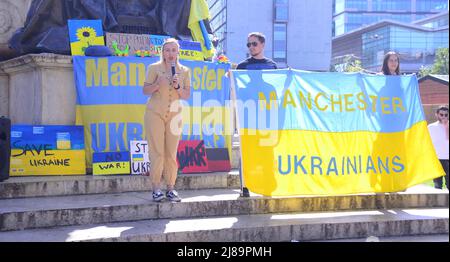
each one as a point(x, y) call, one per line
point(111, 104)
point(331, 133)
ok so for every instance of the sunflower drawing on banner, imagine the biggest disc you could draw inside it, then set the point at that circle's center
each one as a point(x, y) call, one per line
point(84, 33)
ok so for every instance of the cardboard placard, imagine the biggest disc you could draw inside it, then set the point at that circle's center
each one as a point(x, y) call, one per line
point(47, 150)
point(140, 162)
point(135, 42)
point(190, 50)
point(157, 41)
point(153, 43)
point(191, 157)
point(111, 163)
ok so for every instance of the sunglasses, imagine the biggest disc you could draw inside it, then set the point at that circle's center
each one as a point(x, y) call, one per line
point(443, 115)
point(254, 44)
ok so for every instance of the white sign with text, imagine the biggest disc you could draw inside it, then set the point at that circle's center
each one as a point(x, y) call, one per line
point(140, 162)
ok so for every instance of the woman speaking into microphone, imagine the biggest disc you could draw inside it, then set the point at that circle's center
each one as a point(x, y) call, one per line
point(167, 81)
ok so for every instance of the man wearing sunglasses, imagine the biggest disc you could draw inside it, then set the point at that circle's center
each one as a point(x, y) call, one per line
point(439, 136)
point(257, 61)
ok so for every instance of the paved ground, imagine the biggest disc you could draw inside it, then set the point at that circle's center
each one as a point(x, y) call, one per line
point(430, 238)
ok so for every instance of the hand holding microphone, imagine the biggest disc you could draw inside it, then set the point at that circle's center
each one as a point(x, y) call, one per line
point(174, 77)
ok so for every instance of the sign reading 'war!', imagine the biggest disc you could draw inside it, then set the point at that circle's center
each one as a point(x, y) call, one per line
point(111, 163)
point(47, 150)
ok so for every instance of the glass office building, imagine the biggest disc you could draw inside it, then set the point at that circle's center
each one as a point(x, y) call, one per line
point(218, 13)
point(291, 41)
point(415, 42)
point(349, 15)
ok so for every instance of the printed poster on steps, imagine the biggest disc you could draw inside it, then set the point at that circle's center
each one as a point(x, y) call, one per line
point(47, 150)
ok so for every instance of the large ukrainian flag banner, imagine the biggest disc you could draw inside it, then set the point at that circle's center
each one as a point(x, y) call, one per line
point(111, 105)
point(331, 133)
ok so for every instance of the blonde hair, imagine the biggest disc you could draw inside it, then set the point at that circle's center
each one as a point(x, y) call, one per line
point(166, 42)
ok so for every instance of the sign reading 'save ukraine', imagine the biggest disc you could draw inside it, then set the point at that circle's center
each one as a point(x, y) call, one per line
point(111, 104)
point(47, 150)
point(332, 133)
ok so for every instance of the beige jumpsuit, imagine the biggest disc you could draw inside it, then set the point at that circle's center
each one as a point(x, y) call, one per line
point(162, 141)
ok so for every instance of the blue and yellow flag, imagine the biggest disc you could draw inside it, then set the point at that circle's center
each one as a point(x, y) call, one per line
point(199, 11)
point(137, 157)
point(332, 133)
point(111, 104)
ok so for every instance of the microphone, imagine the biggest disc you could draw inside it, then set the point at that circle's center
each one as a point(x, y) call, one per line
point(173, 68)
point(173, 73)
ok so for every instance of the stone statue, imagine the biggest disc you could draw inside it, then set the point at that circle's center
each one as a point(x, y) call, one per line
point(45, 28)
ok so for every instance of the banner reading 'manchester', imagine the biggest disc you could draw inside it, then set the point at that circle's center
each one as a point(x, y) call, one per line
point(111, 103)
point(332, 133)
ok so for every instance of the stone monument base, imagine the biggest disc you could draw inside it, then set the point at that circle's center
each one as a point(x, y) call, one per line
point(38, 89)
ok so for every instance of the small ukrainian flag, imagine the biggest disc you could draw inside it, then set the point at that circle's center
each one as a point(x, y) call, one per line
point(138, 157)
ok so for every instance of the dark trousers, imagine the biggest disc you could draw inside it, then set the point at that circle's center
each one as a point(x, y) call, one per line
point(438, 181)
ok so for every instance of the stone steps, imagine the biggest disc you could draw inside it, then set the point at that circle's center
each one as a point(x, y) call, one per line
point(410, 238)
point(254, 228)
point(19, 187)
point(120, 208)
point(38, 212)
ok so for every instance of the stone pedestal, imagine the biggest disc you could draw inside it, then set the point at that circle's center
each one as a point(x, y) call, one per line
point(4, 94)
point(40, 88)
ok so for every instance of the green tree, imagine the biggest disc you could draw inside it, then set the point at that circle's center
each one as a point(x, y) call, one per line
point(424, 71)
point(353, 65)
point(440, 66)
point(349, 63)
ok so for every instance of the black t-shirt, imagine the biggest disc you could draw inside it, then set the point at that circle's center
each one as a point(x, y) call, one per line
point(257, 64)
